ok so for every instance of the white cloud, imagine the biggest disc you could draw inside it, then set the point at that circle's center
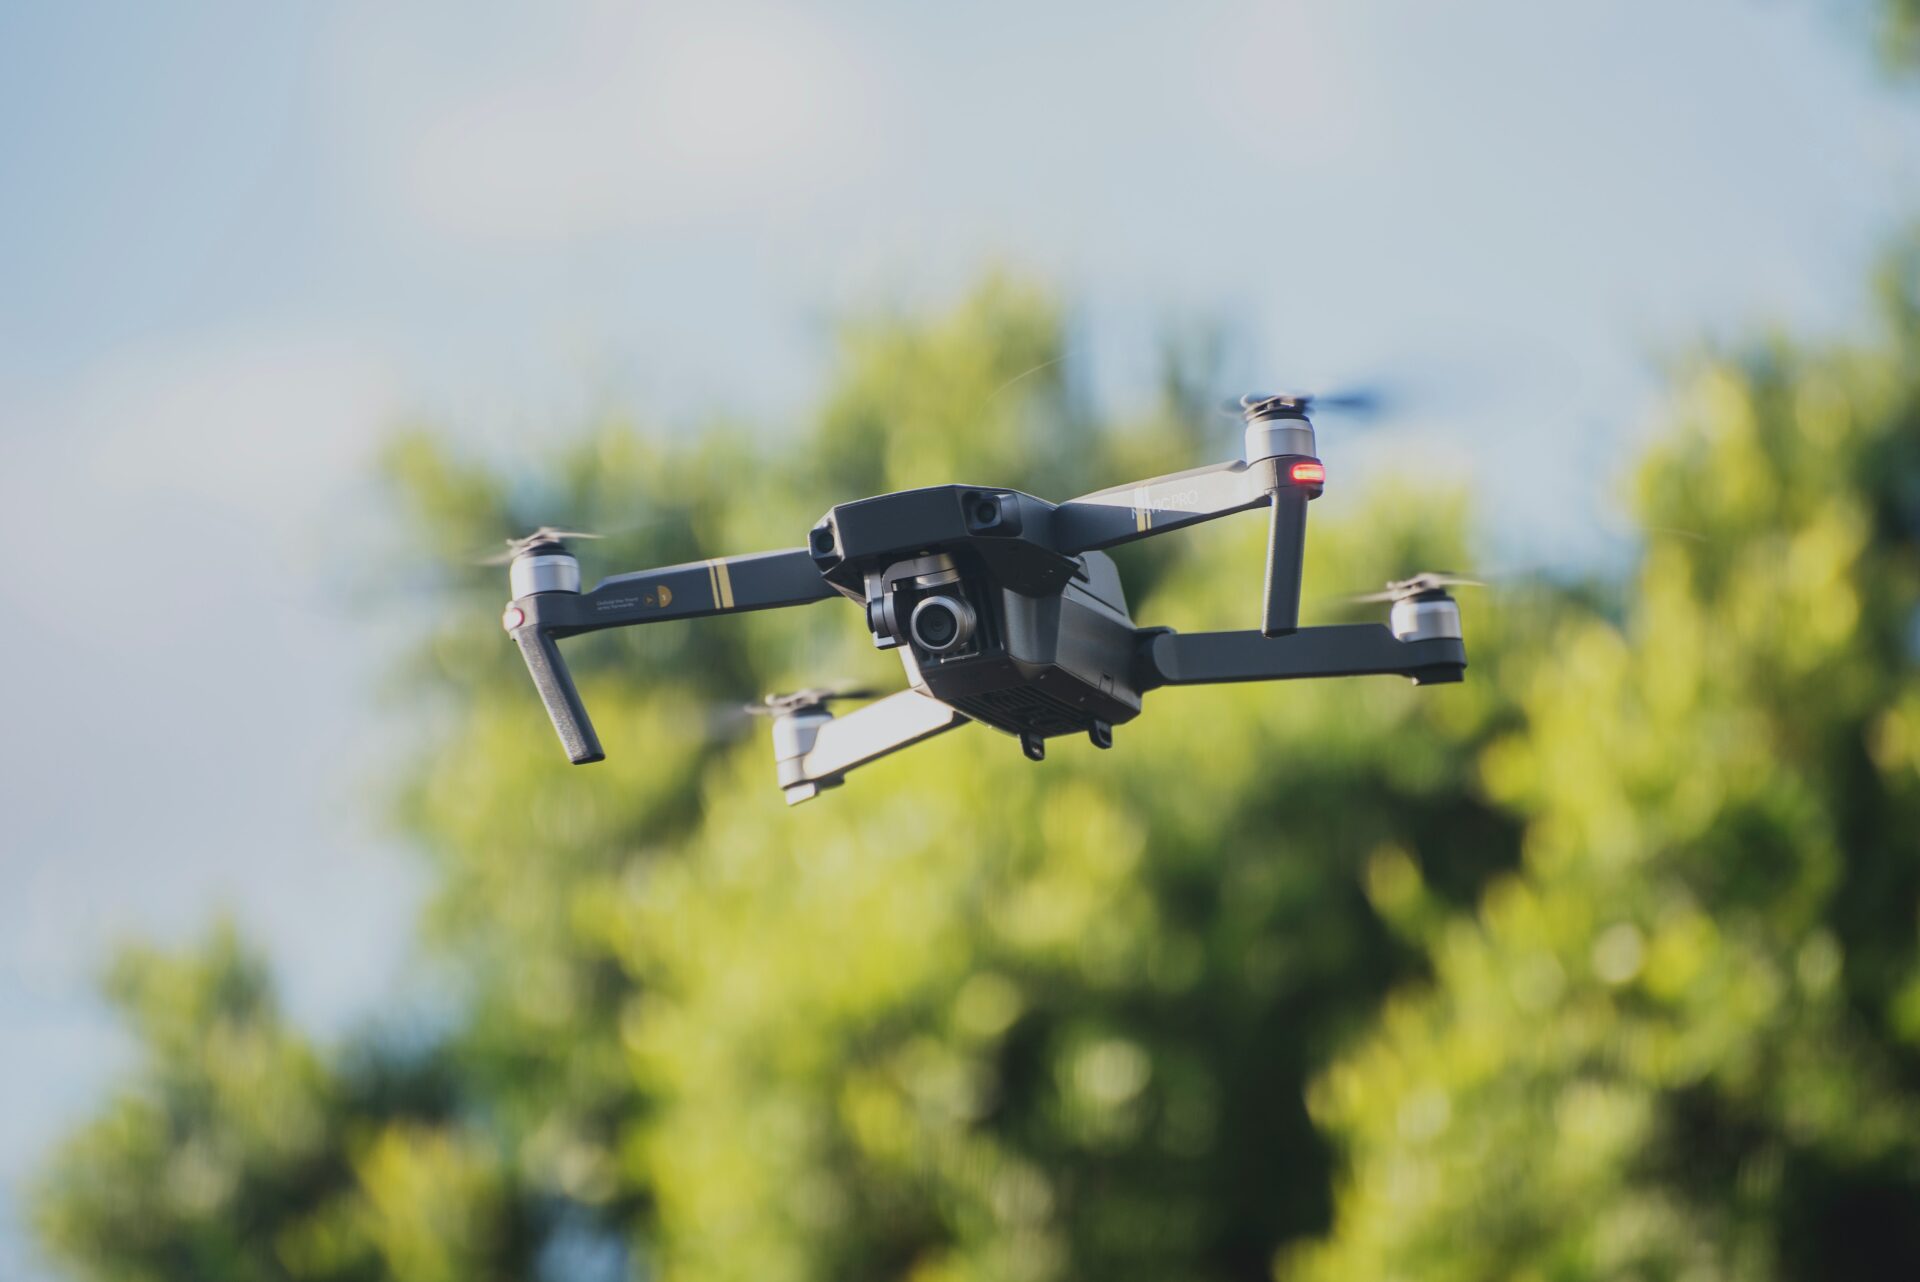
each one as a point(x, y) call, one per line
point(190, 715)
point(187, 665)
point(622, 117)
point(1282, 87)
point(247, 422)
point(223, 451)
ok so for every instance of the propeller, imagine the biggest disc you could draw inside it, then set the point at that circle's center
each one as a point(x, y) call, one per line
point(725, 722)
point(545, 534)
point(1367, 401)
point(548, 534)
point(1363, 402)
point(1425, 581)
point(779, 705)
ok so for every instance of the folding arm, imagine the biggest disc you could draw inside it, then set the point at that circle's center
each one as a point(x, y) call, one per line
point(813, 749)
point(725, 585)
point(1346, 650)
point(548, 605)
point(1124, 513)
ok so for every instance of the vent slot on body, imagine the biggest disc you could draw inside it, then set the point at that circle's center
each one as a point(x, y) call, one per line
point(1023, 709)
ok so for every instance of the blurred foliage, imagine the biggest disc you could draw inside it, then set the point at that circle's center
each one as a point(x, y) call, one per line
point(965, 1017)
point(1680, 1040)
point(1601, 964)
point(1900, 33)
point(239, 1153)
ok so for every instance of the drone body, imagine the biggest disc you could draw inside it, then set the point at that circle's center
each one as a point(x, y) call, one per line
point(1004, 608)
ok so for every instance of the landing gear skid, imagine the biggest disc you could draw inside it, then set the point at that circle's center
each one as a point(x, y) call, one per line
point(1035, 748)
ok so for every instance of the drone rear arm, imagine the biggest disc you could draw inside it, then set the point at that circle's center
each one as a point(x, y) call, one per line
point(1284, 483)
point(814, 750)
point(1345, 650)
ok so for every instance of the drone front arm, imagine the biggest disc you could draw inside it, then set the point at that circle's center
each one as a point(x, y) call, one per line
point(813, 750)
point(1345, 650)
point(1124, 513)
point(726, 585)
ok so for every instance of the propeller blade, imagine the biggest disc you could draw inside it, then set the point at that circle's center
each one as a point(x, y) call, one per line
point(545, 534)
point(1426, 581)
point(776, 705)
point(1365, 401)
point(550, 534)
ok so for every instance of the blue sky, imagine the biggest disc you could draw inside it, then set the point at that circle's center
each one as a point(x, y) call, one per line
point(239, 241)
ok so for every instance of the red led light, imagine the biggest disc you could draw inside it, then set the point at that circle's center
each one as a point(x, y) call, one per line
point(513, 618)
point(1309, 473)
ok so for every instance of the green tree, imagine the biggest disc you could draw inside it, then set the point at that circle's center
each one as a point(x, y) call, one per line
point(1601, 964)
point(1900, 33)
point(1680, 1040)
point(239, 1152)
point(968, 1018)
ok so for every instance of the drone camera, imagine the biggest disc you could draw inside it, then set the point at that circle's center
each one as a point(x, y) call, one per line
point(941, 623)
point(929, 603)
point(939, 619)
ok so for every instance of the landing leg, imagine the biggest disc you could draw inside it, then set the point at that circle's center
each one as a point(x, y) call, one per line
point(1101, 734)
point(1034, 746)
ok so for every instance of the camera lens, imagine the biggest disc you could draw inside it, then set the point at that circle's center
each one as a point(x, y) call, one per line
point(937, 627)
point(940, 623)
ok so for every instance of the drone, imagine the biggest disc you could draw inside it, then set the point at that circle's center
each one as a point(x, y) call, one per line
point(1004, 608)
